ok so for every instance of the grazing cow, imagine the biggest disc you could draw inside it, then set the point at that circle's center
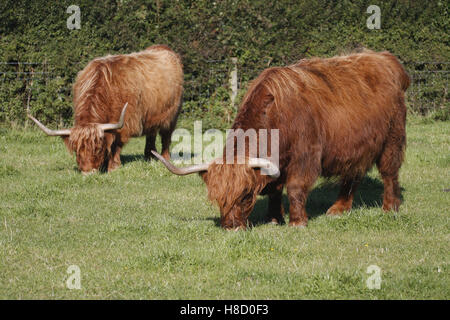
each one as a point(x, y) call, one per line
point(147, 85)
point(336, 117)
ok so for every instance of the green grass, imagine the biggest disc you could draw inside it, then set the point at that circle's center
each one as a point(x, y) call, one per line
point(142, 233)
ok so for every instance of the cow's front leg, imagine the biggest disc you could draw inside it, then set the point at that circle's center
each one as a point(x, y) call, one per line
point(297, 195)
point(298, 186)
point(114, 161)
point(345, 198)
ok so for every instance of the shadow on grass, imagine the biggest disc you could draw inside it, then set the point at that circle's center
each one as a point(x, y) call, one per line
point(126, 158)
point(369, 194)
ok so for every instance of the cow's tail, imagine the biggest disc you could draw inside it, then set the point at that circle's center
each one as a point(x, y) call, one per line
point(402, 76)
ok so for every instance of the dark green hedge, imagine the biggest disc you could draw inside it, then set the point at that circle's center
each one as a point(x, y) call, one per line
point(207, 34)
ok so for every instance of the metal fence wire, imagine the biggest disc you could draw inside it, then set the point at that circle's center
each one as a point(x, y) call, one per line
point(429, 86)
point(428, 90)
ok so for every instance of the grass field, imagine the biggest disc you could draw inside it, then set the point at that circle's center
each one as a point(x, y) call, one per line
point(142, 233)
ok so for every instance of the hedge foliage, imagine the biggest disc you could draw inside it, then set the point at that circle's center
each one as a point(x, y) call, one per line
point(207, 34)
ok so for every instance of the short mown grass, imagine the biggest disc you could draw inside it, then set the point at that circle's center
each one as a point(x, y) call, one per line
point(143, 233)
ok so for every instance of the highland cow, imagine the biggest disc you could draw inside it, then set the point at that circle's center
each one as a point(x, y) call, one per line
point(336, 117)
point(142, 91)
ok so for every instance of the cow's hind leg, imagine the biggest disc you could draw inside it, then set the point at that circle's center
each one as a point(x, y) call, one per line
point(150, 140)
point(276, 211)
point(390, 162)
point(389, 166)
point(166, 139)
point(391, 195)
point(345, 198)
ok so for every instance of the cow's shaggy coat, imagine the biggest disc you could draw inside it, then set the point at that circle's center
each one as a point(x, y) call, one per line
point(151, 81)
point(336, 116)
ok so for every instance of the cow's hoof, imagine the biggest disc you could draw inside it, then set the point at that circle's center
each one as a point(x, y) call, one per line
point(275, 221)
point(337, 210)
point(298, 224)
point(334, 213)
point(391, 206)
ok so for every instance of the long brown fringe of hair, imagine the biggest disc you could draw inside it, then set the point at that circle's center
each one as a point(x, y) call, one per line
point(89, 136)
point(231, 184)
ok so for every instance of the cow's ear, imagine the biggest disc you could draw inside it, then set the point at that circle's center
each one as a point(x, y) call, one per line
point(69, 145)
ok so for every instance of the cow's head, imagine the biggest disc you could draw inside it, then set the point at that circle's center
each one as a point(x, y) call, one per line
point(88, 141)
point(233, 187)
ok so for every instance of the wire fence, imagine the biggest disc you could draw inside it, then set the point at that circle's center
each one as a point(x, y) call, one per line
point(429, 86)
point(428, 90)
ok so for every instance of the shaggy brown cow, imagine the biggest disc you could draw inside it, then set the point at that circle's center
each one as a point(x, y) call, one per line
point(149, 82)
point(336, 117)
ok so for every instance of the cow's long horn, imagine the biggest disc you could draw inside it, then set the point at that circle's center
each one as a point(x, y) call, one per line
point(253, 163)
point(50, 132)
point(181, 171)
point(115, 126)
point(265, 164)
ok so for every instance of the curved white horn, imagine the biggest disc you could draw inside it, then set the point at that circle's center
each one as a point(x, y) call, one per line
point(181, 171)
point(50, 132)
point(262, 163)
point(115, 126)
point(273, 170)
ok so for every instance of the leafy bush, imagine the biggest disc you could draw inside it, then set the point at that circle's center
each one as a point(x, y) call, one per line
point(206, 34)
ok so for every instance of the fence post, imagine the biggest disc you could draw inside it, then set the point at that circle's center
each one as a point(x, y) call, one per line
point(234, 83)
